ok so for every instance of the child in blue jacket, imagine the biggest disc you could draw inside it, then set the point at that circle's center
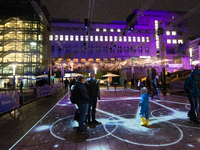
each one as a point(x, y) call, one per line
point(144, 107)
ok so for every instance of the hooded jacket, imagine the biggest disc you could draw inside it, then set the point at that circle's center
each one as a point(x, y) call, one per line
point(83, 94)
point(144, 102)
point(191, 84)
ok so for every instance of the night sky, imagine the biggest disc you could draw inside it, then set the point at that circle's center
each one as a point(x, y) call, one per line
point(118, 10)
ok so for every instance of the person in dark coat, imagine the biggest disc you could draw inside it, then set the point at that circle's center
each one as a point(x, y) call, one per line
point(66, 84)
point(192, 91)
point(155, 85)
point(82, 104)
point(94, 92)
point(125, 84)
point(72, 82)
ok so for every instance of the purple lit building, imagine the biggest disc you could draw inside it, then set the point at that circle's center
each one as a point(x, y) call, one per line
point(81, 52)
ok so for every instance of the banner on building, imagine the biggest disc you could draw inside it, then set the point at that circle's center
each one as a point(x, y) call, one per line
point(9, 101)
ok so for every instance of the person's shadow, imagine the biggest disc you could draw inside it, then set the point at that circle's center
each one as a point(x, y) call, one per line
point(76, 137)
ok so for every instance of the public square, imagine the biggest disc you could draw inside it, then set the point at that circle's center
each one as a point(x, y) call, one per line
point(169, 127)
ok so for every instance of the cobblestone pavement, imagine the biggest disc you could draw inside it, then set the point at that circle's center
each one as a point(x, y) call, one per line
point(120, 129)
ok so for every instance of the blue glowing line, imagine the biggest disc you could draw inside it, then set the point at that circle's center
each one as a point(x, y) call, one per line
point(36, 124)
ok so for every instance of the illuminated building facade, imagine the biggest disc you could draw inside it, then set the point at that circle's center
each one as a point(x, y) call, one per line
point(194, 49)
point(82, 52)
point(22, 41)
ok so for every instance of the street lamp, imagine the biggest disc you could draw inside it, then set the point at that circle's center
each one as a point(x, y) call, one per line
point(95, 70)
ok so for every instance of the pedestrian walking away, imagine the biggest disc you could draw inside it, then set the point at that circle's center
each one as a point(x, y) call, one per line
point(125, 84)
point(66, 85)
point(156, 87)
point(192, 91)
point(94, 93)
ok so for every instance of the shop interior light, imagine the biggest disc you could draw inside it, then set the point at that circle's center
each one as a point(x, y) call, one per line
point(33, 43)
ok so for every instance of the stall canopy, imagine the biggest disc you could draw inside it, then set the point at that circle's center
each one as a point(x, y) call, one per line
point(76, 75)
point(110, 75)
point(42, 76)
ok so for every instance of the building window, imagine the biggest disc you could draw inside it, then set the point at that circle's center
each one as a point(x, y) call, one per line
point(146, 49)
point(140, 49)
point(111, 38)
point(143, 39)
point(106, 38)
point(180, 33)
point(173, 32)
point(174, 41)
point(134, 39)
point(90, 48)
point(125, 39)
point(115, 38)
point(147, 39)
point(91, 38)
point(56, 37)
point(168, 41)
point(104, 30)
point(75, 48)
point(98, 49)
point(81, 38)
point(76, 38)
point(71, 38)
point(86, 38)
point(180, 41)
point(105, 49)
point(97, 30)
point(118, 30)
point(129, 39)
point(101, 38)
point(61, 37)
point(120, 39)
point(111, 30)
point(96, 38)
point(138, 39)
point(98, 60)
point(126, 49)
point(119, 49)
point(167, 32)
point(75, 60)
point(50, 37)
point(67, 49)
point(66, 38)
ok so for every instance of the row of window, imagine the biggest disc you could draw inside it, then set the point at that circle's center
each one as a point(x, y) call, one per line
point(105, 30)
point(97, 49)
point(98, 38)
point(171, 33)
point(174, 41)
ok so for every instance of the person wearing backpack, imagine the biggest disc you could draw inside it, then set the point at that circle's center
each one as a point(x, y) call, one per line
point(155, 85)
point(94, 92)
point(80, 96)
point(192, 91)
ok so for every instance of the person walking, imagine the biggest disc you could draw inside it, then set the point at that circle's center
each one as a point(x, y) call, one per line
point(66, 84)
point(125, 84)
point(138, 85)
point(82, 103)
point(94, 92)
point(4, 84)
point(155, 85)
point(192, 91)
point(108, 84)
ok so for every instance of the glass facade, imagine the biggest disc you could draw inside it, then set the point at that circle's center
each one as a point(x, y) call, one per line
point(22, 36)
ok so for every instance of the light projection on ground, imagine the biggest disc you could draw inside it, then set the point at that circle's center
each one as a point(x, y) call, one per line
point(129, 124)
point(120, 119)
